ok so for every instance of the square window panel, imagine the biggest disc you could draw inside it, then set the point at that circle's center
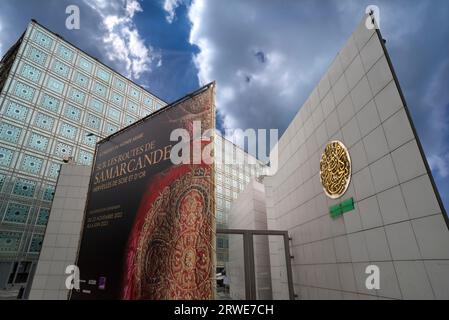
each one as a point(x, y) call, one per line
point(129, 120)
point(146, 112)
point(132, 107)
point(31, 164)
point(81, 80)
point(89, 140)
point(16, 213)
point(42, 217)
point(2, 181)
point(85, 158)
point(55, 85)
point(100, 89)
point(36, 243)
point(10, 241)
point(42, 39)
point(93, 122)
point(117, 99)
point(36, 55)
point(67, 131)
point(53, 170)
point(72, 113)
point(16, 111)
point(23, 91)
point(103, 74)
point(9, 133)
point(31, 73)
point(65, 53)
point(119, 85)
point(96, 105)
point(61, 69)
point(63, 150)
point(148, 101)
point(24, 187)
point(114, 114)
point(134, 93)
point(158, 106)
point(76, 95)
point(44, 122)
point(111, 128)
point(85, 64)
point(49, 193)
point(6, 157)
point(50, 103)
point(38, 142)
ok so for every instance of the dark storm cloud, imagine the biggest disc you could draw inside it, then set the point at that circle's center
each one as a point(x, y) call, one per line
point(260, 56)
point(300, 39)
point(266, 91)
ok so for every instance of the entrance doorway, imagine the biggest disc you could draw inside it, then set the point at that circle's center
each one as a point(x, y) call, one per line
point(258, 267)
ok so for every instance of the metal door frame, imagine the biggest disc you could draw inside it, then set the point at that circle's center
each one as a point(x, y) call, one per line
point(248, 254)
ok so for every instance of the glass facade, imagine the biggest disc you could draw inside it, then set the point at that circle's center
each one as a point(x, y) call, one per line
point(55, 102)
point(52, 96)
point(231, 178)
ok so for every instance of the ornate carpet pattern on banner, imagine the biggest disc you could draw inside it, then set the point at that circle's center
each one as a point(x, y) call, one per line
point(169, 254)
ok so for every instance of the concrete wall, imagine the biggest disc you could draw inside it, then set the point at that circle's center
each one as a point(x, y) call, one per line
point(62, 234)
point(249, 212)
point(398, 223)
point(279, 284)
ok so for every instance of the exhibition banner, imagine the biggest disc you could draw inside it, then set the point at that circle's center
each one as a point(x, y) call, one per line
point(149, 228)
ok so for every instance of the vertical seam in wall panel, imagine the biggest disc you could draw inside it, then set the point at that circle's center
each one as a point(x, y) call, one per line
point(429, 173)
point(372, 180)
point(368, 165)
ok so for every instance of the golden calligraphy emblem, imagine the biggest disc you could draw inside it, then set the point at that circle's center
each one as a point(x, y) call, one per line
point(335, 169)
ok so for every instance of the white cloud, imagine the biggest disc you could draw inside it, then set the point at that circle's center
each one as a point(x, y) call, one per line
point(436, 99)
point(436, 103)
point(170, 7)
point(124, 45)
point(401, 29)
point(439, 164)
point(265, 58)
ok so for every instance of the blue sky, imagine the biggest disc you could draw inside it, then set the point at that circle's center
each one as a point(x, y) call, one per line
point(265, 57)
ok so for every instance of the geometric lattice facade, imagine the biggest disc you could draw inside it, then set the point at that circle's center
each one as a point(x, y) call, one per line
point(52, 96)
point(230, 180)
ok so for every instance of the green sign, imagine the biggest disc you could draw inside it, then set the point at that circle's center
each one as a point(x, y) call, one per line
point(342, 207)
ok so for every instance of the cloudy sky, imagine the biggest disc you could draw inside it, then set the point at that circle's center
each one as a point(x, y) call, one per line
point(266, 56)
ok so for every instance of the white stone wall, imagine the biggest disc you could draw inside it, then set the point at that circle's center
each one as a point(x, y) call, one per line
point(62, 234)
point(249, 212)
point(397, 223)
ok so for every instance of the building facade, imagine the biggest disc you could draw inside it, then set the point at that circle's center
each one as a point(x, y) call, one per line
point(63, 232)
point(55, 103)
point(248, 212)
point(62, 235)
point(231, 178)
point(380, 208)
point(354, 189)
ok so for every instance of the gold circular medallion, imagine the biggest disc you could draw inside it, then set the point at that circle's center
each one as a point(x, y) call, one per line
point(335, 169)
